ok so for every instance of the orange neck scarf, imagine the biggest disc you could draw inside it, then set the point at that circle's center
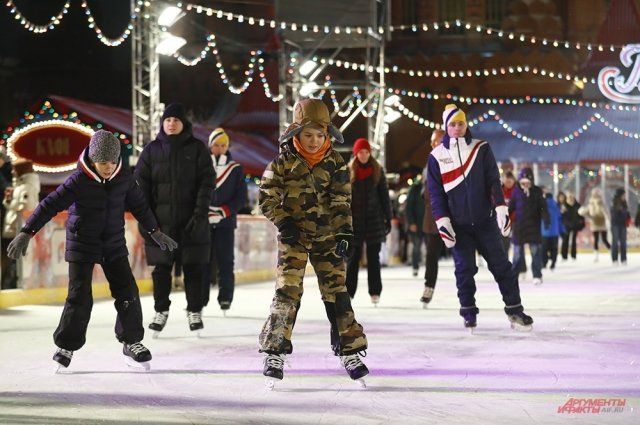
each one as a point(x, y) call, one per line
point(312, 158)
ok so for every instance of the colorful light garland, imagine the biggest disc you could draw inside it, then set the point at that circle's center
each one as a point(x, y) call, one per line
point(35, 28)
point(112, 42)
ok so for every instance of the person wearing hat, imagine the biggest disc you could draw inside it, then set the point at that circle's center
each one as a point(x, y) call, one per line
point(176, 176)
point(230, 195)
point(466, 199)
point(529, 209)
point(97, 195)
point(371, 212)
point(305, 192)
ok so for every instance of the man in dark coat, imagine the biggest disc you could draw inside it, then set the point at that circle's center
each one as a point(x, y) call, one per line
point(530, 210)
point(230, 196)
point(177, 178)
point(97, 196)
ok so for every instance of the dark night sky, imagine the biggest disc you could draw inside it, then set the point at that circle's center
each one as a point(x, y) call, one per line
point(68, 60)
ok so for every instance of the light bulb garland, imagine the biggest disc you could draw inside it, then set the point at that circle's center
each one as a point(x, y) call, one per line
point(112, 42)
point(483, 72)
point(530, 40)
point(35, 28)
point(596, 117)
point(469, 100)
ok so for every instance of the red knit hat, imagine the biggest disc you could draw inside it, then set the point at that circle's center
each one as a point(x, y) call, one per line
point(360, 144)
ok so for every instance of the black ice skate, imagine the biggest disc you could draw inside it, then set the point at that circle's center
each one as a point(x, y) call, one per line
point(63, 358)
point(159, 320)
point(195, 321)
point(273, 369)
point(520, 321)
point(137, 355)
point(470, 320)
point(355, 368)
point(225, 306)
point(426, 296)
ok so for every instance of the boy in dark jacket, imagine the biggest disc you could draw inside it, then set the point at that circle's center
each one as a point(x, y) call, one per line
point(230, 195)
point(466, 198)
point(177, 178)
point(97, 196)
point(530, 209)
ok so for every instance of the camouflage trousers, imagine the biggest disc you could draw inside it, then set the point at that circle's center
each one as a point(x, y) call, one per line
point(347, 336)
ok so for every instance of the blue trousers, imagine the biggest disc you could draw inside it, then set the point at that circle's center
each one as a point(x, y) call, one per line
point(619, 242)
point(536, 258)
point(220, 268)
point(486, 239)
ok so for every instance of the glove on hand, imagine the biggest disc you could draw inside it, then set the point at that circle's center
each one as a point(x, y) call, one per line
point(18, 246)
point(504, 222)
point(289, 233)
point(344, 247)
point(446, 231)
point(217, 214)
point(163, 241)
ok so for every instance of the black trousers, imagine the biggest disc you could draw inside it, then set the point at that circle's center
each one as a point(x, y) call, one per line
point(569, 238)
point(161, 277)
point(220, 269)
point(549, 251)
point(596, 237)
point(373, 269)
point(72, 329)
point(435, 246)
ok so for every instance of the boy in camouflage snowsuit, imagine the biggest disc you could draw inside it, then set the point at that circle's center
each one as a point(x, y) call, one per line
point(307, 196)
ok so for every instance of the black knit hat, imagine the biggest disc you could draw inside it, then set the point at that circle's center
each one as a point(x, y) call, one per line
point(104, 147)
point(175, 110)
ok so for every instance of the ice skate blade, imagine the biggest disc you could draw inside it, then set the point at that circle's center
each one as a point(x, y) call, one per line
point(155, 335)
point(141, 366)
point(59, 369)
point(361, 382)
point(521, 328)
point(425, 305)
point(270, 383)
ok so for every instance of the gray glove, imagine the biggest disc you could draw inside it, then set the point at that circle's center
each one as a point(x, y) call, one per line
point(18, 246)
point(163, 241)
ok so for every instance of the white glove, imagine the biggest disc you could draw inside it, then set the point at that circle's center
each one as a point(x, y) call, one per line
point(216, 215)
point(504, 222)
point(446, 231)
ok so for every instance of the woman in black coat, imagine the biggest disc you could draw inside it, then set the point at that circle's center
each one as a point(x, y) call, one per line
point(371, 212)
point(176, 175)
point(573, 222)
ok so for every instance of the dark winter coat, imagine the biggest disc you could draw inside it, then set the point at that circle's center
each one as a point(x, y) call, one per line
point(370, 204)
point(415, 205)
point(619, 212)
point(428, 223)
point(571, 219)
point(95, 227)
point(530, 212)
point(554, 228)
point(230, 190)
point(177, 178)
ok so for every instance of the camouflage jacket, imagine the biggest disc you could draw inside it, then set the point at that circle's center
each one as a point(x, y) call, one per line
point(317, 199)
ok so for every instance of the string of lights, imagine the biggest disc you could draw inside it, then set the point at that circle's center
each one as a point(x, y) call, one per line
point(531, 40)
point(469, 100)
point(484, 72)
point(35, 28)
point(112, 42)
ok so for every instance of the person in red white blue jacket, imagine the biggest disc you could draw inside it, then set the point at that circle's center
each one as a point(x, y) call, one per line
point(467, 200)
point(230, 194)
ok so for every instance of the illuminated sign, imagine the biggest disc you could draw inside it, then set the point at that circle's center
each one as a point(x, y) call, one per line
point(616, 86)
point(53, 146)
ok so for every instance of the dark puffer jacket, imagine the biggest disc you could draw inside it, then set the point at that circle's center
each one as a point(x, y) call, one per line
point(530, 212)
point(176, 176)
point(95, 228)
point(370, 205)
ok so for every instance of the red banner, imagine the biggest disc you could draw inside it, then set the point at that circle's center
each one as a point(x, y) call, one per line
point(51, 143)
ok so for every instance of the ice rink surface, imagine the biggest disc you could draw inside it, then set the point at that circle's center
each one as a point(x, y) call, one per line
point(425, 367)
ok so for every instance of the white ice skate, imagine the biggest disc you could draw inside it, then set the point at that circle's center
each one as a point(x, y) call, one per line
point(426, 297)
point(195, 322)
point(537, 281)
point(375, 300)
point(158, 323)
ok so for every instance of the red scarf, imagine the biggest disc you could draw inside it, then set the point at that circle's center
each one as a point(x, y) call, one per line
point(363, 171)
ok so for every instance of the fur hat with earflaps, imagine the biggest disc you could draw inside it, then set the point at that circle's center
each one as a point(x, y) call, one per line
point(310, 112)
